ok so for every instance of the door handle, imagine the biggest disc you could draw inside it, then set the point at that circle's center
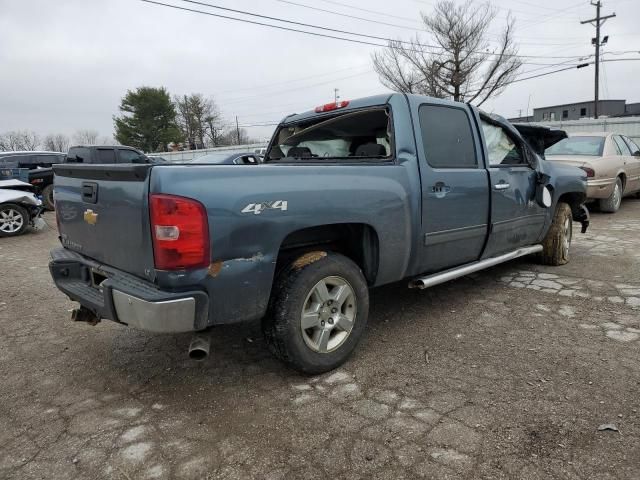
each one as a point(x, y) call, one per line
point(501, 186)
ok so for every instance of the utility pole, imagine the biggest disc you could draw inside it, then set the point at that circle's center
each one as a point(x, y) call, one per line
point(335, 95)
point(237, 130)
point(597, 22)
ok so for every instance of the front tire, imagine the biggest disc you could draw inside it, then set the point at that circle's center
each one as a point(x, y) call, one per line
point(14, 220)
point(47, 198)
point(317, 313)
point(612, 204)
point(557, 242)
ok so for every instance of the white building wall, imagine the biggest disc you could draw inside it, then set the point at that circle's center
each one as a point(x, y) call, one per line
point(629, 126)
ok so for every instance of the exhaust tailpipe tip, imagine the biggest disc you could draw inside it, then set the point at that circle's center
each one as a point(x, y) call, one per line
point(199, 346)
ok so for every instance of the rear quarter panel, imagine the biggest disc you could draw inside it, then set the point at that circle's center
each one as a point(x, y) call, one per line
point(245, 245)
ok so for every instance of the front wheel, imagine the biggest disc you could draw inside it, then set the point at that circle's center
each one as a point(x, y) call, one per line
point(318, 312)
point(14, 220)
point(557, 242)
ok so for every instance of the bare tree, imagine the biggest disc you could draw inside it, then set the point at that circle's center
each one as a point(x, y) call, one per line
point(19, 140)
point(58, 142)
point(199, 120)
point(86, 137)
point(462, 65)
point(233, 136)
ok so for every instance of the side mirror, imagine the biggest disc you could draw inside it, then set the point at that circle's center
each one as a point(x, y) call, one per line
point(543, 196)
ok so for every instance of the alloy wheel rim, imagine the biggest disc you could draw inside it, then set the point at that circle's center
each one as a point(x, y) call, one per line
point(566, 240)
point(617, 198)
point(11, 220)
point(328, 314)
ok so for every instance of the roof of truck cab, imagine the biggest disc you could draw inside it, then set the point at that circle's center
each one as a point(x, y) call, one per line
point(354, 104)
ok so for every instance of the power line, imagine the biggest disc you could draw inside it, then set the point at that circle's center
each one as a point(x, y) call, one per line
point(317, 34)
point(346, 15)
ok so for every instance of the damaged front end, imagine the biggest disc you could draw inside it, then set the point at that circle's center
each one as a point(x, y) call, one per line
point(19, 208)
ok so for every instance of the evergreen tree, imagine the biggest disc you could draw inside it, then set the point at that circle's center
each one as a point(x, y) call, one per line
point(148, 120)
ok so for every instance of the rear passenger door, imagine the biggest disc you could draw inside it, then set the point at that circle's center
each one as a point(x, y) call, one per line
point(455, 194)
point(635, 153)
point(516, 218)
point(631, 163)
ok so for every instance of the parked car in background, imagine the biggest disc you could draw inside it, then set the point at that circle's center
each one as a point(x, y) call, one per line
point(31, 160)
point(39, 171)
point(612, 163)
point(42, 178)
point(227, 158)
point(351, 195)
point(19, 208)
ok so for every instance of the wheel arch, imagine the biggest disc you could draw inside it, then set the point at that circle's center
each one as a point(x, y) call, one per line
point(358, 241)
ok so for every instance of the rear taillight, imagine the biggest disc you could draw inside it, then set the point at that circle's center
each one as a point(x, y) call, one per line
point(590, 172)
point(180, 232)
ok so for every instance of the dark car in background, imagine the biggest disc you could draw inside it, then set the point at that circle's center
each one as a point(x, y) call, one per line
point(42, 178)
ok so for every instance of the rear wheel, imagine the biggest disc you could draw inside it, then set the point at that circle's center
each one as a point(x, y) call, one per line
point(318, 312)
point(47, 197)
point(557, 242)
point(14, 220)
point(612, 204)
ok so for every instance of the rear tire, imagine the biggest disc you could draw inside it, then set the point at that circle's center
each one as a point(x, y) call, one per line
point(557, 242)
point(326, 293)
point(612, 204)
point(14, 220)
point(47, 198)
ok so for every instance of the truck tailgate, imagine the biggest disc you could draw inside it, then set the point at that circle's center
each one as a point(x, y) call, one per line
point(102, 214)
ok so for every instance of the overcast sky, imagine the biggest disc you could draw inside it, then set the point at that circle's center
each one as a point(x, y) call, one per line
point(65, 64)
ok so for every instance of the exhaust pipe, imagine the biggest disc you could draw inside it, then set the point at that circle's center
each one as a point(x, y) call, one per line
point(199, 346)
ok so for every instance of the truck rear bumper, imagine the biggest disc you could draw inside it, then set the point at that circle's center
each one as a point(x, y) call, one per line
point(124, 298)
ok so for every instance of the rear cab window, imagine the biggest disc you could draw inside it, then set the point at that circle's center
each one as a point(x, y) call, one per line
point(350, 136)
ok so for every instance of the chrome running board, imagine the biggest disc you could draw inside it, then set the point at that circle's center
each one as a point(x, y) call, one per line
point(436, 278)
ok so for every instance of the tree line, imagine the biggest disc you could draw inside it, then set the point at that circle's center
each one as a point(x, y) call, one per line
point(29, 140)
point(154, 121)
point(151, 120)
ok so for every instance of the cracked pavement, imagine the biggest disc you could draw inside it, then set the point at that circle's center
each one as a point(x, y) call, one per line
point(503, 374)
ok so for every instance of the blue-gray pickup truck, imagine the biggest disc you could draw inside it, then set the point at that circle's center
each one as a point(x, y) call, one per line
point(351, 195)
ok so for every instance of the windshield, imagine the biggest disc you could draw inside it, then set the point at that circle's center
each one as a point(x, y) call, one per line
point(350, 135)
point(577, 146)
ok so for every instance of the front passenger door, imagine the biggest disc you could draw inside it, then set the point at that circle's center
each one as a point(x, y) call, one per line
point(516, 218)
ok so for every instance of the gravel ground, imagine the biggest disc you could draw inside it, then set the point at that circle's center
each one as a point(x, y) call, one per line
point(504, 374)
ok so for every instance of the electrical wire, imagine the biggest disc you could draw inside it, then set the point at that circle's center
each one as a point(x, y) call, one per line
point(317, 34)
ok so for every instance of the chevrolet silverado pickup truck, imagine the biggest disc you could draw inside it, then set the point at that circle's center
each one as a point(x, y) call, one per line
point(351, 195)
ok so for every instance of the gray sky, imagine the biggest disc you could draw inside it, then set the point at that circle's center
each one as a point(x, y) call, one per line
point(65, 64)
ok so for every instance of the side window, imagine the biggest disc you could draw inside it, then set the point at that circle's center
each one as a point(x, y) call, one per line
point(621, 146)
point(128, 156)
point(501, 148)
point(447, 137)
point(79, 155)
point(106, 155)
point(632, 145)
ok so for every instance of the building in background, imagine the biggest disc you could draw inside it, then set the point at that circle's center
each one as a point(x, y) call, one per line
point(576, 111)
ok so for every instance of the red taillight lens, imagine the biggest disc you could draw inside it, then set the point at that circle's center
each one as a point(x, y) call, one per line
point(590, 172)
point(180, 232)
point(327, 107)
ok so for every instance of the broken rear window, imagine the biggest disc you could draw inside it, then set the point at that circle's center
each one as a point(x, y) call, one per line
point(348, 136)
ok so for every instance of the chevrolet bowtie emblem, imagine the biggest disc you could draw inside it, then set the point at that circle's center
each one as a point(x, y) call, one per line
point(90, 216)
